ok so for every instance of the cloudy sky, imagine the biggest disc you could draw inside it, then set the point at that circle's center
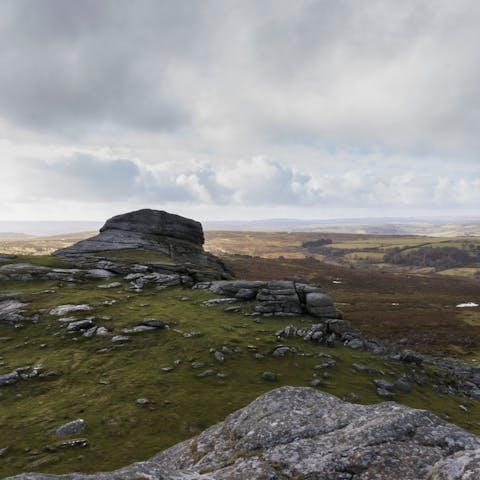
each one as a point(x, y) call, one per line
point(239, 109)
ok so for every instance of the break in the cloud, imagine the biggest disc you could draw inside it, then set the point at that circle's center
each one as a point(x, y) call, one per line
point(228, 106)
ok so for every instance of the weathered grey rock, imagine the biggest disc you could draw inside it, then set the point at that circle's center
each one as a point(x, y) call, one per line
point(111, 285)
point(219, 357)
point(411, 356)
point(148, 229)
point(10, 378)
point(402, 385)
point(278, 297)
point(215, 302)
point(80, 325)
point(304, 433)
point(356, 344)
point(66, 309)
point(320, 305)
point(71, 428)
point(176, 237)
point(138, 329)
point(155, 323)
point(120, 338)
point(11, 311)
point(102, 331)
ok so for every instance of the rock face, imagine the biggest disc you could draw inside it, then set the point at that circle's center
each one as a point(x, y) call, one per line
point(304, 433)
point(278, 297)
point(147, 229)
point(157, 222)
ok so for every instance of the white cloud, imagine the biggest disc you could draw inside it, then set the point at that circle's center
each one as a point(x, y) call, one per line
point(309, 105)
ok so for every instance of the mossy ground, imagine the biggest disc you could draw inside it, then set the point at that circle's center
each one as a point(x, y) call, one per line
point(102, 386)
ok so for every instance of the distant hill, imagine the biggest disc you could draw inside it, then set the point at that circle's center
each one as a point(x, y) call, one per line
point(46, 228)
point(444, 227)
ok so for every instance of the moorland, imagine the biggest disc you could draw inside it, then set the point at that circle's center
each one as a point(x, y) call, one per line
point(140, 390)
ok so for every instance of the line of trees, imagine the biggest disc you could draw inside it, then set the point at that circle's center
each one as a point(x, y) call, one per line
point(441, 258)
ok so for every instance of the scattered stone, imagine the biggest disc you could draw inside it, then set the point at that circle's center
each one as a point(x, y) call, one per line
point(138, 329)
point(282, 351)
point(206, 373)
point(269, 376)
point(383, 384)
point(315, 382)
point(214, 302)
point(142, 401)
point(382, 392)
point(363, 368)
point(402, 385)
point(99, 273)
point(71, 428)
point(11, 311)
point(410, 356)
point(102, 331)
point(66, 309)
point(327, 364)
point(111, 285)
point(168, 369)
point(80, 325)
point(219, 357)
point(90, 332)
point(120, 338)
point(355, 343)
point(76, 442)
point(155, 323)
point(10, 378)
point(232, 309)
point(196, 365)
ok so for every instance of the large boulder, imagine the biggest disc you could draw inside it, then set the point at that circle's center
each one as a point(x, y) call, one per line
point(304, 433)
point(157, 222)
point(146, 229)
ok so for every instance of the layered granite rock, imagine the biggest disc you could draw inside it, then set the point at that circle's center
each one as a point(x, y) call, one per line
point(277, 297)
point(304, 433)
point(179, 238)
point(146, 229)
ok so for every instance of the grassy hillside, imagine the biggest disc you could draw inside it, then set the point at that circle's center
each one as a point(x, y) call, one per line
point(174, 369)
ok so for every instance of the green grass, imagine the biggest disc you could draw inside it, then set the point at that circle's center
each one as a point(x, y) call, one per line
point(42, 261)
point(182, 404)
point(133, 256)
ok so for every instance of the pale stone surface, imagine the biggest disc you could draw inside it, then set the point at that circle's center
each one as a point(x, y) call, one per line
point(304, 433)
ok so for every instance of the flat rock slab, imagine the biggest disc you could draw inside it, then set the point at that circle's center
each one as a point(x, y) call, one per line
point(66, 309)
point(304, 433)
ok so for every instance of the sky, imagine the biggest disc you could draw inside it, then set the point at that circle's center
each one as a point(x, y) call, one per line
point(247, 109)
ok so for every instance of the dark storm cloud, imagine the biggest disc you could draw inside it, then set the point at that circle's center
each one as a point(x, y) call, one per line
point(399, 75)
point(93, 65)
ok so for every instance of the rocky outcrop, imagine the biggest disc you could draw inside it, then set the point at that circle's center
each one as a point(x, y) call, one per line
point(278, 297)
point(178, 238)
point(146, 229)
point(304, 433)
